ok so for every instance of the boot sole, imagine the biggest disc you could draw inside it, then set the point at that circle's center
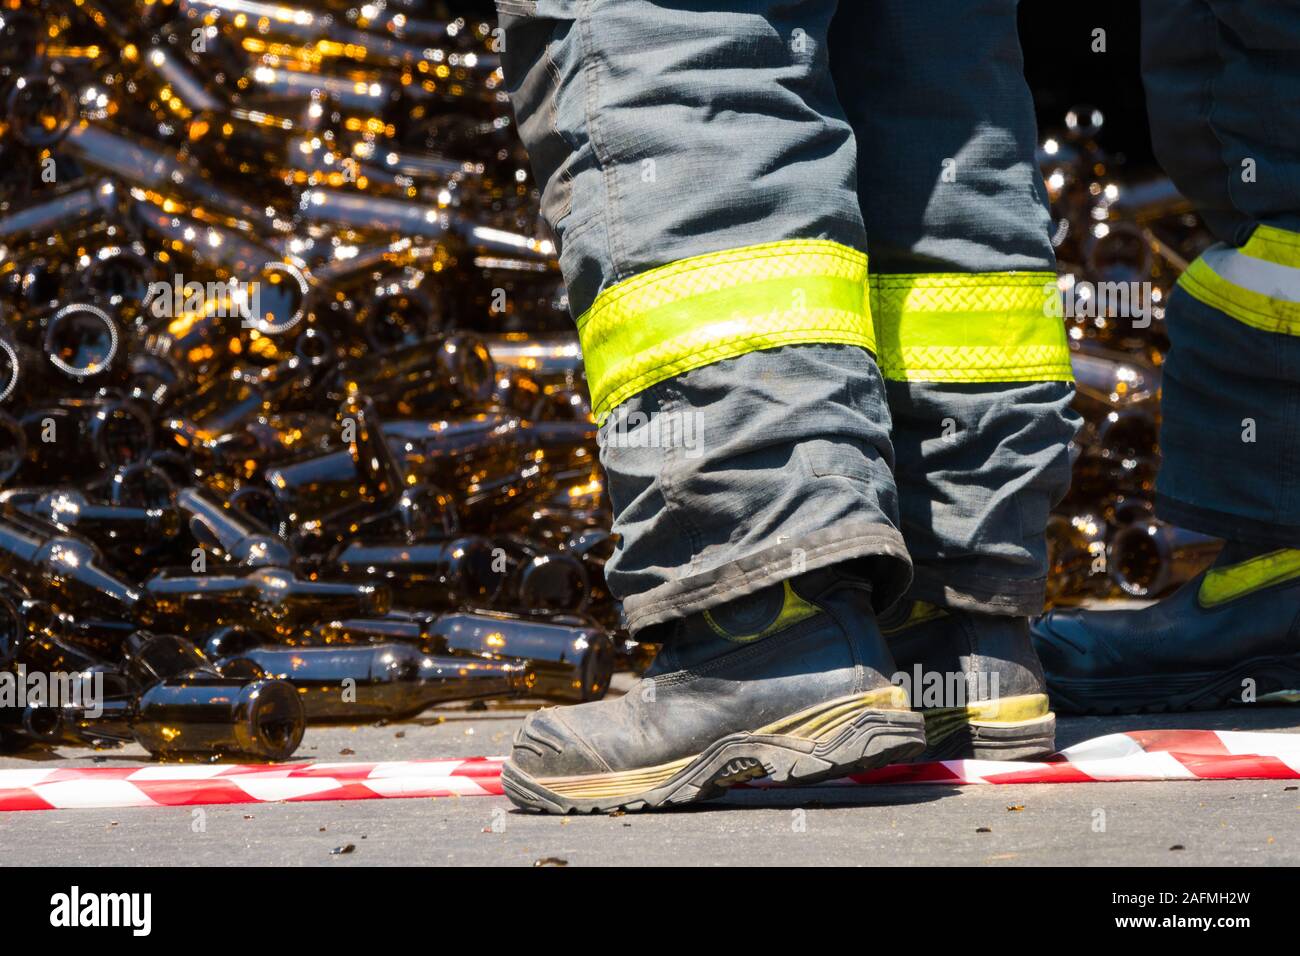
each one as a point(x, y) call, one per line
point(1276, 679)
point(834, 739)
point(1007, 728)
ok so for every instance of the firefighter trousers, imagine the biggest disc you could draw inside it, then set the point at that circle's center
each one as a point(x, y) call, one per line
point(806, 244)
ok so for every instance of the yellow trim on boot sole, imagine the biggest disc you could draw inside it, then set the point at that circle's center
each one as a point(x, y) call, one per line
point(942, 722)
point(814, 723)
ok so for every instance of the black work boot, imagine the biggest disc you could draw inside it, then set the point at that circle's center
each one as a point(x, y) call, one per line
point(790, 682)
point(976, 680)
point(1231, 635)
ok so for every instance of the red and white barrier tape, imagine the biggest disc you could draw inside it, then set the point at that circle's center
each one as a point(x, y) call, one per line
point(1138, 755)
point(184, 785)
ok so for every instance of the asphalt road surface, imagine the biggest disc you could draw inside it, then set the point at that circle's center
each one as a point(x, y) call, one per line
point(1099, 824)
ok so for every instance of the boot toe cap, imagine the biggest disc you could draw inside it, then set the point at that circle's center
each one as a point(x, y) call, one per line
point(1068, 647)
point(546, 746)
point(1065, 644)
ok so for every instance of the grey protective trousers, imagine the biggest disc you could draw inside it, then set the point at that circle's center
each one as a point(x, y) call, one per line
point(681, 129)
point(1223, 86)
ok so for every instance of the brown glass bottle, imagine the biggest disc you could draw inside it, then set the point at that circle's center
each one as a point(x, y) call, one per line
point(153, 167)
point(195, 716)
point(58, 211)
point(269, 598)
point(441, 452)
point(539, 579)
point(1107, 380)
point(66, 569)
point(445, 573)
point(328, 498)
point(566, 658)
point(269, 440)
point(76, 438)
point(132, 535)
point(226, 402)
point(1077, 559)
point(438, 374)
point(153, 66)
point(382, 681)
point(83, 342)
point(148, 658)
point(1148, 559)
point(233, 536)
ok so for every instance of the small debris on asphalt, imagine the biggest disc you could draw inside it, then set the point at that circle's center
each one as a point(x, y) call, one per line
point(345, 848)
point(550, 861)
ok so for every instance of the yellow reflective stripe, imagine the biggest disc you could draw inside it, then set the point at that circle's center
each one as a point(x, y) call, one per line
point(1245, 305)
point(1274, 245)
point(970, 327)
point(1221, 585)
point(701, 310)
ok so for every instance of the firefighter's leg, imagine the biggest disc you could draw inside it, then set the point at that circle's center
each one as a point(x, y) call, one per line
point(975, 361)
point(699, 175)
point(1223, 91)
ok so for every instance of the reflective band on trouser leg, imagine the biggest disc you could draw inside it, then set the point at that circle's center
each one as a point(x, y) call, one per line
point(970, 327)
point(1258, 284)
point(708, 308)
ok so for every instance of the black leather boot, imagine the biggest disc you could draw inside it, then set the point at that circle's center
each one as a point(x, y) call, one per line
point(976, 680)
point(791, 682)
point(1231, 635)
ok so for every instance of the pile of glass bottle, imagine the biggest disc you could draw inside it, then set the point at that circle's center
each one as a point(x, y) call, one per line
point(292, 424)
point(1120, 248)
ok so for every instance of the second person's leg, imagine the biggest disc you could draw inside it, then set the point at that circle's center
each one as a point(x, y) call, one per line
point(1223, 83)
point(975, 361)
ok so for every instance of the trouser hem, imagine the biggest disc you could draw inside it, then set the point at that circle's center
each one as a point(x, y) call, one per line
point(1009, 597)
point(1230, 527)
point(887, 567)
